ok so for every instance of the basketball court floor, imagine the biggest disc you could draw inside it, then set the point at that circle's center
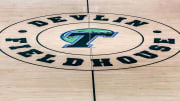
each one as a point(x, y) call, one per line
point(89, 50)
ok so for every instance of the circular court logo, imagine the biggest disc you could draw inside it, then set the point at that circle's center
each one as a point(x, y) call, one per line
point(94, 41)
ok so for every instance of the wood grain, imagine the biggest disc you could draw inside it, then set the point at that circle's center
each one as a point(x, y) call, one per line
point(24, 82)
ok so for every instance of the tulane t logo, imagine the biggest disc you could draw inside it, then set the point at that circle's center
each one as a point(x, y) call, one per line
point(82, 38)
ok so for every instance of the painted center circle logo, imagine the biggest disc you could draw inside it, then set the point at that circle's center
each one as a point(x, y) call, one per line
point(94, 41)
point(81, 38)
